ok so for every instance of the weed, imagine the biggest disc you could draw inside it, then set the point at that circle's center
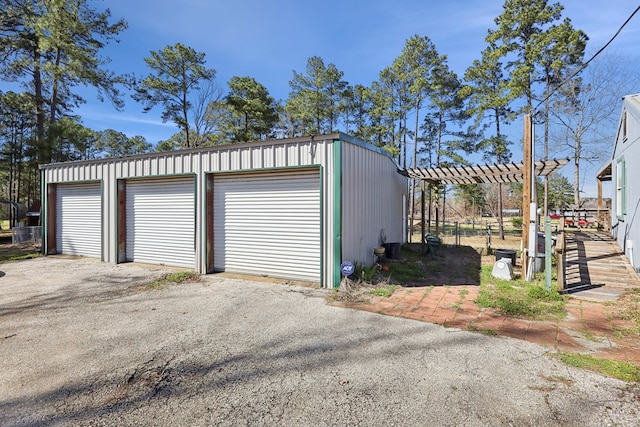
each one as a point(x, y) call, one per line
point(587, 335)
point(177, 278)
point(463, 293)
point(19, 253)
point(384, 291)
point(404, 272)
point(456, 306)
point(427, 291)
point(365, 273)
point(557, 379)
point(487, 332)
point(629, 309)
point(621, 370)
point(519, 298)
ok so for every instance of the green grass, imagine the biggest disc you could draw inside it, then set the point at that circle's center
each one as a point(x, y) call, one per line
point(519, 298)
point(405, 272)
point(620, 370)
point(384, 291)
point(177, 278)
point(18, 253)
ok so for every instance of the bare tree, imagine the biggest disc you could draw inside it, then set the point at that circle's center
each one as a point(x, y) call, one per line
point(584, 115)
point(203, 109)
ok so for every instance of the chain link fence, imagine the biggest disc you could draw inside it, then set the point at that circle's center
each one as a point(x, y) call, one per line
point(26, 235)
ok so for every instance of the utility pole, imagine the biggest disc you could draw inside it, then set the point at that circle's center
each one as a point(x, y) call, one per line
point(526, 192)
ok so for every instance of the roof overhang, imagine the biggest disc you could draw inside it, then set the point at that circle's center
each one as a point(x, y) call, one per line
point(482, 174)
point(604, 174)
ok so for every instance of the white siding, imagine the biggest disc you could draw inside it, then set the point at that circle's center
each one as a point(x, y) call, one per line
point(268, 224)
point(161, 222)
point(79, 219)
point(626, 227)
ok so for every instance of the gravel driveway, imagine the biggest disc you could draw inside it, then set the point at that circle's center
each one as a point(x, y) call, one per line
point(82, 343)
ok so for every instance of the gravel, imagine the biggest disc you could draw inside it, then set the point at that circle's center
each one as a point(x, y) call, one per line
point(87, 343)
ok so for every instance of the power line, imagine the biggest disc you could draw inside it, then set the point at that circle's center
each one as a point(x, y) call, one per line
point(590, 59)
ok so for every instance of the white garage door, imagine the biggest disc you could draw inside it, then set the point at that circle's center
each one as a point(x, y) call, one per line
point(161, 222)
point(79, 219)
point(268, 224)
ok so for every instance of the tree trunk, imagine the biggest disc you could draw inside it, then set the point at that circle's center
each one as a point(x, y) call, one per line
point(499, 161)
point(43, 150)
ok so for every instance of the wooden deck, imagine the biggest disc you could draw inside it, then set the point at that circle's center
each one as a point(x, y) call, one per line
point(596, 267)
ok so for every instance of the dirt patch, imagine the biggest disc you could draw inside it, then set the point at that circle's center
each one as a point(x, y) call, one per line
point(18, 251)
point(450, 265)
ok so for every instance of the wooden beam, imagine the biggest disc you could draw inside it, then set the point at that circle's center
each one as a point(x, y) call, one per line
point(526, 190)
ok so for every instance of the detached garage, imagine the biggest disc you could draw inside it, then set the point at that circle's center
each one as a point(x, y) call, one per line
point(293, 208)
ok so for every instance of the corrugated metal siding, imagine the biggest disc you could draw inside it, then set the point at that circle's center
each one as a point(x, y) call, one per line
point(372, 194)
point(247, 157)
point(161, 222)
point(268, 224)
point(79, 220)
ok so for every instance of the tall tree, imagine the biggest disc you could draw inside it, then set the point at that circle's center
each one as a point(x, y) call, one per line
point(487, 93)
point(176, 73)
point(562, 50)
point(253, 111)
point(74, 141)
point(560, 192)
point(315, 97)
point(517, 40)
point(111, 143)
point(16, 128)
point(52, 46)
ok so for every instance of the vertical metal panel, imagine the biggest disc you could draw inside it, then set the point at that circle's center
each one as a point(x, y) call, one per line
point(161, 222)
point(372, 196)
point(79, 219)
point(248, 157)
point(268, 224)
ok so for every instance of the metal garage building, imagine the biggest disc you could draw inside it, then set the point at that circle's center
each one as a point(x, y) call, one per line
point(290, 208)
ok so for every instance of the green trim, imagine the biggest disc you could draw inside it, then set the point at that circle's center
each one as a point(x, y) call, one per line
point(44, 214)
point(117, 224)
point(264, 170)
point(337, 213)
point(360, 143)
point(322, 228)
point(158, 177)
point(621, 188)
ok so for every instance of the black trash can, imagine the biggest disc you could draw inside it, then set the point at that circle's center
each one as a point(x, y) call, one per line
point(392, 250)
point(506, 253)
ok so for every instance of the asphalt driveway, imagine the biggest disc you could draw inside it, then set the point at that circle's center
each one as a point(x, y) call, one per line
point(82, 343)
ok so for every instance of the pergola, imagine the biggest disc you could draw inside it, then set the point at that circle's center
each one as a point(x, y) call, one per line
point(481, 174)
point(487, 174)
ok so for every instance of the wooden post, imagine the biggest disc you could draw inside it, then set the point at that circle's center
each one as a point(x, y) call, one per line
point(422, 201)
point(526, 191)
point(561, 256)
point(600, 220)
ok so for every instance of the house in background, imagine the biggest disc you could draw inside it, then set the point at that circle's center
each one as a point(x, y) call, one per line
point(293, 208)
point(624, 171)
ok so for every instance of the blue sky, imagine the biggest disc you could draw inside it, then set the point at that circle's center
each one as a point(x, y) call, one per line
point(269, 39)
